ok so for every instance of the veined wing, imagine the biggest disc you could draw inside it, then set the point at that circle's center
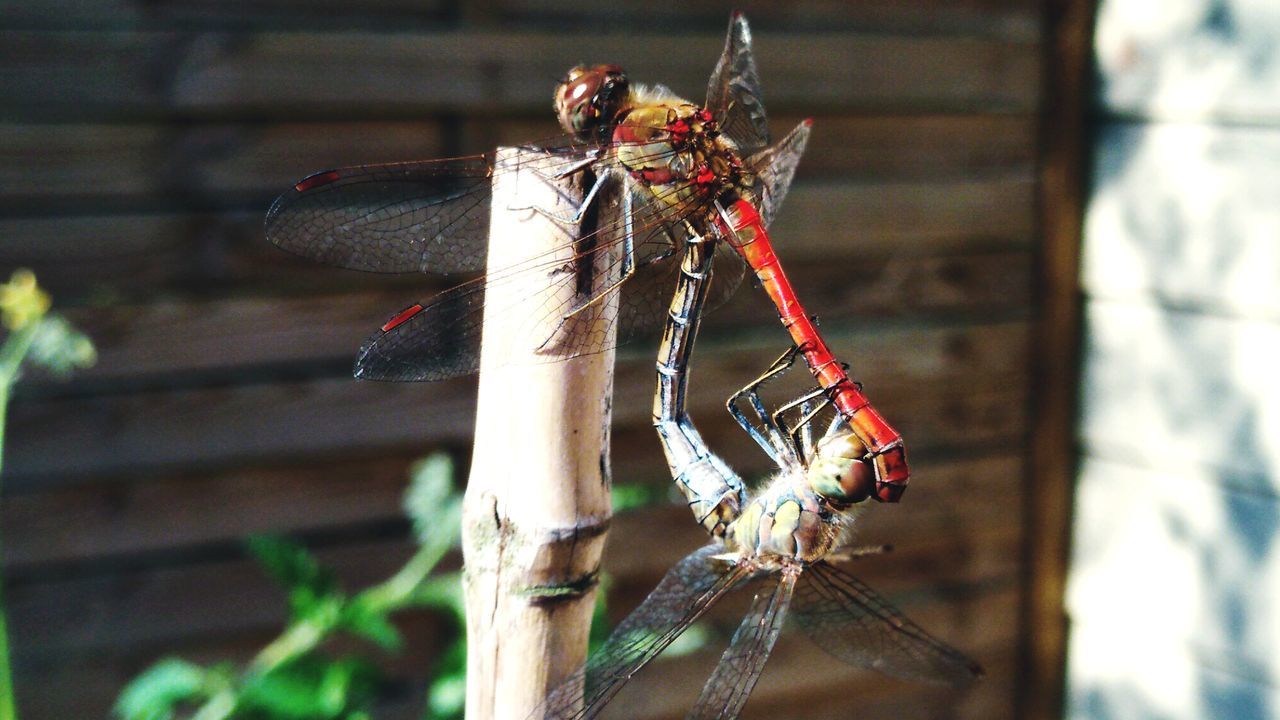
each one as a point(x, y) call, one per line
point(775, 167)
point(733, 93)
point(735, 676)
point(851, 622)
point(685, 593)
point(441, 338)
point(430, 216)
point(434, 215)
point(424, 216)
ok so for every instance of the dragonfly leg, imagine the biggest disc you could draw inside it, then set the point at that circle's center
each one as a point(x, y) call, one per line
point(800, 432)
point(859, 552)
point(581, 211)
point(771, 439)
point(628, 266)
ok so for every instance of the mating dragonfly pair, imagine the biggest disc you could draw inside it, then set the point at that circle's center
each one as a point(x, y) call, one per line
point(699, 185)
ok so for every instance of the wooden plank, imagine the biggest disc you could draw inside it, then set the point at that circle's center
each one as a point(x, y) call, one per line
point(225, 164)
point(1006, 18)
point(137, 256)
point(209, 165)
point(1009, 18)
point(302, 75)
point(139, 516)
point(122, 612)
point(1173, 557)
point(112, 257)
point(1163, 384)
point(1185, 216)
point(1055, 365)
point(951, 385)
point(181, 340)
point(86, 687)
point(115, 520)
point(899, 147)
point(230, 14)
point(1202, 61)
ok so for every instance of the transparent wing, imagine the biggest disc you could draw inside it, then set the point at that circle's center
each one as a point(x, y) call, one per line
point(689, 588)
point(851, 622)
point(441, 338)
point(775, 168)
point(434, 216)
point(425, 216)
point(430, 216)
point(733, 93)
point(726, 692)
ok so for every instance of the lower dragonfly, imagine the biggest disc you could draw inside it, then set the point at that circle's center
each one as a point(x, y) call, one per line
point(683, 169)
point(787, 536)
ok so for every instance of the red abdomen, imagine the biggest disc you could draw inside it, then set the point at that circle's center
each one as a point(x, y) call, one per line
point(746, 233)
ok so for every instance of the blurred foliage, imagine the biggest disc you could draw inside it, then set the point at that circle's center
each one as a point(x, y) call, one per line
point(294, 678)
point(33, 337)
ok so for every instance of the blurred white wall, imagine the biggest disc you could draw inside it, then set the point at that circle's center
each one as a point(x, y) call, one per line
point(1174, 592)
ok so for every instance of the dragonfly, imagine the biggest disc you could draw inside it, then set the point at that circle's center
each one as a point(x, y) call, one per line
point(785, 540)
point(682, 170)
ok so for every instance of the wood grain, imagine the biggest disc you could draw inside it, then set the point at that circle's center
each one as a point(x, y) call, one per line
point(143, 141)
point(80, 167)
point(139, 256)
point(128, 610)
point(301, 75)
point(933, 380)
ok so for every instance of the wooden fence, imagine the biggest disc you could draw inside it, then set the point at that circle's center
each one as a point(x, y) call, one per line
point(143, 141)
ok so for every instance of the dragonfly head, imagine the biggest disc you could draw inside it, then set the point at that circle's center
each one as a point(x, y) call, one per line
point(839, 471)
point(588, 98)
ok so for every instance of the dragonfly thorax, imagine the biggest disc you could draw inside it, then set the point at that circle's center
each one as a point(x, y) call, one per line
point(675, 149)
point(788, 521)
point(806, 511)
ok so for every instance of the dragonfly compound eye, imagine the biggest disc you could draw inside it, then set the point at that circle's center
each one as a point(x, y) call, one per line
point(840, 472)
point(588, 99)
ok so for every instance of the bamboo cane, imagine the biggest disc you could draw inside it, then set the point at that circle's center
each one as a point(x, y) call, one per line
point(537, 501)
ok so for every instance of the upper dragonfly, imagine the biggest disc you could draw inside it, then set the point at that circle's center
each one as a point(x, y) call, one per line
point(683, 170)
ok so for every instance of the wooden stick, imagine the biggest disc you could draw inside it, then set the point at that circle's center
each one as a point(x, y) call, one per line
point(537, 502)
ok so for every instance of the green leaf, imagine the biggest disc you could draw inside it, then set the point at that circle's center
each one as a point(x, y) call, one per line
point(633, 496)
point(156, 693)
point(372, 625)
point(446, 695)
point(442, 592)
point(310, 587)
point(311, 688)
point(436, 510)
point(599, 618)
point(60, 348)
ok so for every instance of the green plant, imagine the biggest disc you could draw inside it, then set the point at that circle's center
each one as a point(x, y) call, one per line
point(293, 678)
point(34, 336)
